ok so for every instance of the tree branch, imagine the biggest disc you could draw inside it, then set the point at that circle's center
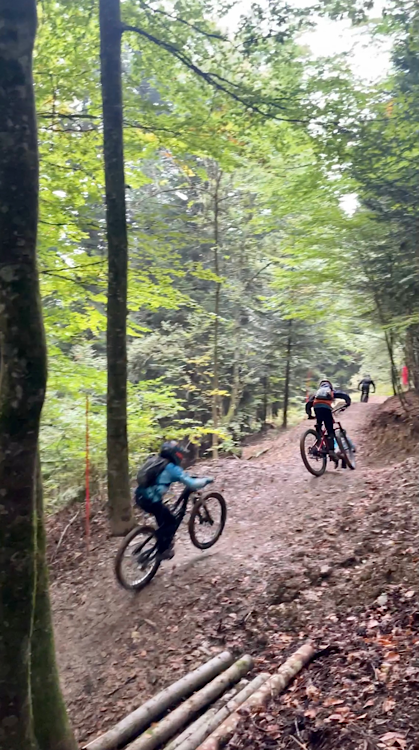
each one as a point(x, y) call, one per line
point(210, 77)
point(177, 19)
point(63, 115)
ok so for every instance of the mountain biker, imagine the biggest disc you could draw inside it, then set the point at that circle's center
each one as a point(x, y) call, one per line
point(150, 499)
point(322, 402)
point(364, 386)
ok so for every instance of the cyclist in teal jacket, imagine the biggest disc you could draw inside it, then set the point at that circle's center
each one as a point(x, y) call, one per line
point(150, 499)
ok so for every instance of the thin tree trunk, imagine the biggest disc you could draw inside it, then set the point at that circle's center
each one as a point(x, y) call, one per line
point(235, 385)
point(412, 355)
point(216, 376)
point(235, 391)
point(23, 377)
point(393, 368)
point(265, 400)
point(120, 511)
point(51, 725)
point(287, 376)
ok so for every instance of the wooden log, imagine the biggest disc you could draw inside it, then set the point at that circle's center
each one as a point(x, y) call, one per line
point(217, 706)
point(167, 727)
point(195, 734)
point(273, 686)
point(131, 726)
point(177, 742)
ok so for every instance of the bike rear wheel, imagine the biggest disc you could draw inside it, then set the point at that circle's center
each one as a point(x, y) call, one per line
point(345, 448)
point(136, 561)
point(314, 461)
point(207, 520)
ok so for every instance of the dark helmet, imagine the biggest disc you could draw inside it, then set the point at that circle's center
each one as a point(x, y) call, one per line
point(172, 451)
point(324, 381)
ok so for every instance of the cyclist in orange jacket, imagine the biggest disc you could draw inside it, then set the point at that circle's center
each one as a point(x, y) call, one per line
point(322, 402)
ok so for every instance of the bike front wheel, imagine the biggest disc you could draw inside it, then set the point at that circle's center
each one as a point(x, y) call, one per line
point(346, 448)
point(314, 461)
point(207, 520)
point(136, 561)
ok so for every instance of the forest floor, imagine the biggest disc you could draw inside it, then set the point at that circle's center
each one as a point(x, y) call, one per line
point(334, 559)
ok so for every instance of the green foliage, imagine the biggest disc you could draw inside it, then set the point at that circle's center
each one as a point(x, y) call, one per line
point(237, 154)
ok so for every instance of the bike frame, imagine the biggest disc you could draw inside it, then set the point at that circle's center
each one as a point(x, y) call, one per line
point(181, 505)
point(323, 440)
point(179, 510)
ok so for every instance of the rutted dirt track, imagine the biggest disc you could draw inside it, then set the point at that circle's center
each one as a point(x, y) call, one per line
point(291, 542)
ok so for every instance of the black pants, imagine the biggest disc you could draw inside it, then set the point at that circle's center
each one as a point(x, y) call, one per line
point(365, 394)
point(165, 519)
point(325, 416)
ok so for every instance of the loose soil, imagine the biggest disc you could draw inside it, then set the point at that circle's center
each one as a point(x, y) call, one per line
point(333, 558)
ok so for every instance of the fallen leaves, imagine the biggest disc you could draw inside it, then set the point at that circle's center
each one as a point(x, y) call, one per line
point(388, 705)
point(392, 739)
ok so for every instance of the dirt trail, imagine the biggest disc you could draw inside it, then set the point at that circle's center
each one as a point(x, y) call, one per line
point(116, 649)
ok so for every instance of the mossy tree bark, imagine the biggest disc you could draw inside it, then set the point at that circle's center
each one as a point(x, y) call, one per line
point(23, 375)
point(217, 299)
point(119, 496)
point(51, 726)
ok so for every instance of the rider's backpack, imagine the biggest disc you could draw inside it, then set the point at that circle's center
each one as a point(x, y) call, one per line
point(150, 470)
point(325, 393)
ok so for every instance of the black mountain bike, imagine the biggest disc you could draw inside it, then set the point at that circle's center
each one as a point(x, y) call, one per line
point(137, 561)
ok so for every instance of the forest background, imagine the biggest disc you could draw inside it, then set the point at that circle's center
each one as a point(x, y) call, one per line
point(249, 277)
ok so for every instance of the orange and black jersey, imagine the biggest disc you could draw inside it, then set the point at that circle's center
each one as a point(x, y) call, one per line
point(312, 401)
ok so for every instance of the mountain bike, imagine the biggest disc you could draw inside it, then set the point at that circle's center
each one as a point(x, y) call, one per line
point(137, 560)
point(364, 397)
point(315, 449)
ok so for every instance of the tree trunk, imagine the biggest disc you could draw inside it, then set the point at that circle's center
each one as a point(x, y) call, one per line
point(235, 392)
point(23, 378)
point(51, 725)
point(393, 369)
point(216, 377)
point(265, 381)
point(120, 510)
point(287, 376)
point(412, 355)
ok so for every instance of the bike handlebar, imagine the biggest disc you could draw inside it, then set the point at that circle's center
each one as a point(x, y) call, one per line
point(337, 409)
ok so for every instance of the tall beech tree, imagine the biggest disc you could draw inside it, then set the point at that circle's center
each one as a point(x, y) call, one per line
point(119, 500)
point(23, 376)
point(32, 713)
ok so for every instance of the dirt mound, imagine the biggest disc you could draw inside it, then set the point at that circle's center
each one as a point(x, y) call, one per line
point(392, 432)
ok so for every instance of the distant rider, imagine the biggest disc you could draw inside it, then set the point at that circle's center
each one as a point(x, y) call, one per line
point(322, 403)
point(364, 386)
point(150, 499)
